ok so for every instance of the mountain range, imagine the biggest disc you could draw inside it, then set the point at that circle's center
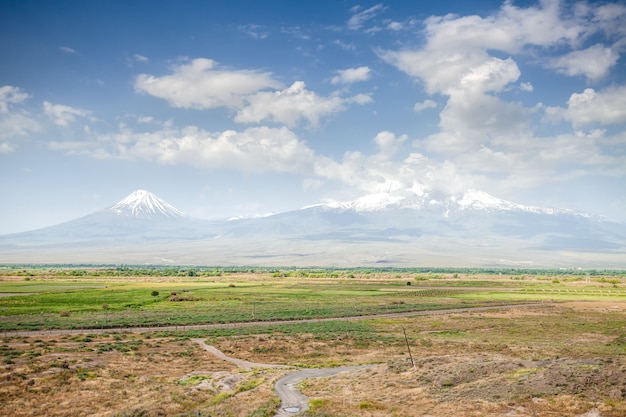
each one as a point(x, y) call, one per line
point(402, 229)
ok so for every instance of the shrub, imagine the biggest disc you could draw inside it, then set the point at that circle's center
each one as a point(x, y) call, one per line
point(64, 313)
point(154, 293)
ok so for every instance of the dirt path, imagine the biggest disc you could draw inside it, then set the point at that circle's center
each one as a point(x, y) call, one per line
point(239, 362)
point(292, 401)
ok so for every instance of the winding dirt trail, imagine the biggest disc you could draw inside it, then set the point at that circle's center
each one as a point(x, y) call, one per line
point(292, 401)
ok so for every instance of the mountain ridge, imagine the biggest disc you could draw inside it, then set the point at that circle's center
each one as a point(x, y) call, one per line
point(473, 229)
point(470, 200)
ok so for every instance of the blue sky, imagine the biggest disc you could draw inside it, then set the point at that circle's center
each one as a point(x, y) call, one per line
point(231, 108)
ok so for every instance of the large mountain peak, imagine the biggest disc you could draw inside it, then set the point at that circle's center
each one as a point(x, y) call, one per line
point(142, 203)
point(469, 200)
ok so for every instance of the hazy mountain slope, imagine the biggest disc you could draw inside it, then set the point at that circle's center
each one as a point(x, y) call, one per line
point(469, 229)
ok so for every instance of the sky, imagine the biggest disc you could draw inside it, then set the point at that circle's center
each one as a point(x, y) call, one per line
point(243, 108)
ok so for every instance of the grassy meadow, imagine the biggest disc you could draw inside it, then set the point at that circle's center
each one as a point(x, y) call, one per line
point(47, 299)
point(566, 356)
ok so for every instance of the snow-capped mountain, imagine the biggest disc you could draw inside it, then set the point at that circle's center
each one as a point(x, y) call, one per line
point(470, 200)
point(402, 228)
point(144, 204)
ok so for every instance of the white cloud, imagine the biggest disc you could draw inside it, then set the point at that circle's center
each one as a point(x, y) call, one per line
point(395, 26)
point(254, 150)
point(591, 107)
point(526, 87)
point(63, 115)
point(67, 50)
point(381, 173)
point(388, 144)
point(11, 95)
point(255, 31)
point(443, 72)
point(611, 18)
point(18, 124)
point(344, 46)
point(358, 19)
point(145, 119)
point(423, 105)
point(141, 58)
point(593, 62)
point(200, 85)
point(456, 46)
point(360, 99)
point(6, 147)
point(291, 105)
point(351, 75)
point(14, 123)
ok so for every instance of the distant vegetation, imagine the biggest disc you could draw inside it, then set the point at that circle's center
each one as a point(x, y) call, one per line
point(73, 298)
point(70, 270)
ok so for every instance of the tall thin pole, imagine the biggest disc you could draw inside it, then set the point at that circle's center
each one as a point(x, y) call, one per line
point(406, 339)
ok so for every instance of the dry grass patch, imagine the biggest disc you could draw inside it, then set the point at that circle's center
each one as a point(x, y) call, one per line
point(69, 378)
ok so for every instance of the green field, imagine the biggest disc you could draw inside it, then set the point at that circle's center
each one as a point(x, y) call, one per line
point(66, 298)
point(565, 355)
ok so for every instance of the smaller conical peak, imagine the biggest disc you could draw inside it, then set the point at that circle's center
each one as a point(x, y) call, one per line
point(142, 203)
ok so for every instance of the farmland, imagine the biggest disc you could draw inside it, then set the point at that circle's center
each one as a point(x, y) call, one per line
point(565, 355)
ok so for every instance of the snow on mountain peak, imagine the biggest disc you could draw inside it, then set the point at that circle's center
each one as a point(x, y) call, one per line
point(142, 203)
point(471, 199)
point(474, 199)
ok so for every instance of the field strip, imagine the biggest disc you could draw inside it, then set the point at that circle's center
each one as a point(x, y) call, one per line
point(234, 325)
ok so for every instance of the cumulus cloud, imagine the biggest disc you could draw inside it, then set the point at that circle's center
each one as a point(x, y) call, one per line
point(291, 105)
point(459, 45)
point(593, 63)
point(423, 105)
point(351, 75)
point(254, 150)
point(471, 61)
point(11, 95)
point(590, 107)
point(199, 84)
point(388, 144)
point(384, 174)
point(63, 115)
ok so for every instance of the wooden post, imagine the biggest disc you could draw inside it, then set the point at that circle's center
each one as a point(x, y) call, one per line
point(408, 347)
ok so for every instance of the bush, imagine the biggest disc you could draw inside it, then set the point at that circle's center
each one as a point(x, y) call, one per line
point(154, 293)
point(64, 313)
